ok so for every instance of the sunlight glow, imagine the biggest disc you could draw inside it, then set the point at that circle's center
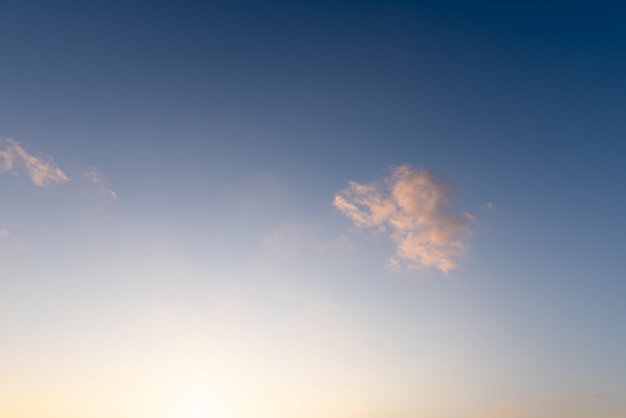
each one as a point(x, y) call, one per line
point(196, 403)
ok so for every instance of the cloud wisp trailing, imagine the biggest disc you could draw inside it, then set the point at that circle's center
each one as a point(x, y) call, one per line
point(97, 178)
point(504, 410)
point(42, 171)
point(410, 208)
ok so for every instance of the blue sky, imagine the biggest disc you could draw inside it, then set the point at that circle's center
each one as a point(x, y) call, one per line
point(338, 209)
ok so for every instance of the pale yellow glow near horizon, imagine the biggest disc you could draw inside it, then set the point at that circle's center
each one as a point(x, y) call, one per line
point(262, 351)
point(180, 364)
point(195, 403)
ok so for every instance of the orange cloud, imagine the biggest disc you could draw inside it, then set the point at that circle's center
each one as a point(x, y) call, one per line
point(42, 171)
point(410, 206)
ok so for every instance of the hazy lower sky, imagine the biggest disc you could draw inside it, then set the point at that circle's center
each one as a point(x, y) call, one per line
point(329, 209)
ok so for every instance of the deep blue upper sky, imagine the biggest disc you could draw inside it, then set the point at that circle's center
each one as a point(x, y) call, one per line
point(485, 92)
point(509, 80)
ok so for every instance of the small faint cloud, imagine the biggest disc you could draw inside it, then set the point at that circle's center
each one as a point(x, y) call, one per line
point(489, 205)
point(41, 170)
point(299, 252)
point(508, 411)
point(595, 396)
point(257, 196)
point(13, 247)
point(410, 207)
point(97, 178)
point(291, 237)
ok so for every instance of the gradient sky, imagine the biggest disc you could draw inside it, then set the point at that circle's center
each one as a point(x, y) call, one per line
point(331, 209)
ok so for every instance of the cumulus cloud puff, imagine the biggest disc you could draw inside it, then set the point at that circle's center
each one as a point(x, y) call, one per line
point(410, 207)
point(97, 178)
point(42, 171)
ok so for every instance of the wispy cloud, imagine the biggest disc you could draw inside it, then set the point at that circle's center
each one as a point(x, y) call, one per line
point(42, 170)
point(4, 233)
point(410, 207)
point(97, 178)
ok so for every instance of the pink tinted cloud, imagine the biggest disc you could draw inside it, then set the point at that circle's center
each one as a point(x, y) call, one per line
point(42, 171)
point(410, 206)
point(96, 177)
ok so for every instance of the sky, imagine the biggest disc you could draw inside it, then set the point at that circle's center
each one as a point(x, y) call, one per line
point(331, 209)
